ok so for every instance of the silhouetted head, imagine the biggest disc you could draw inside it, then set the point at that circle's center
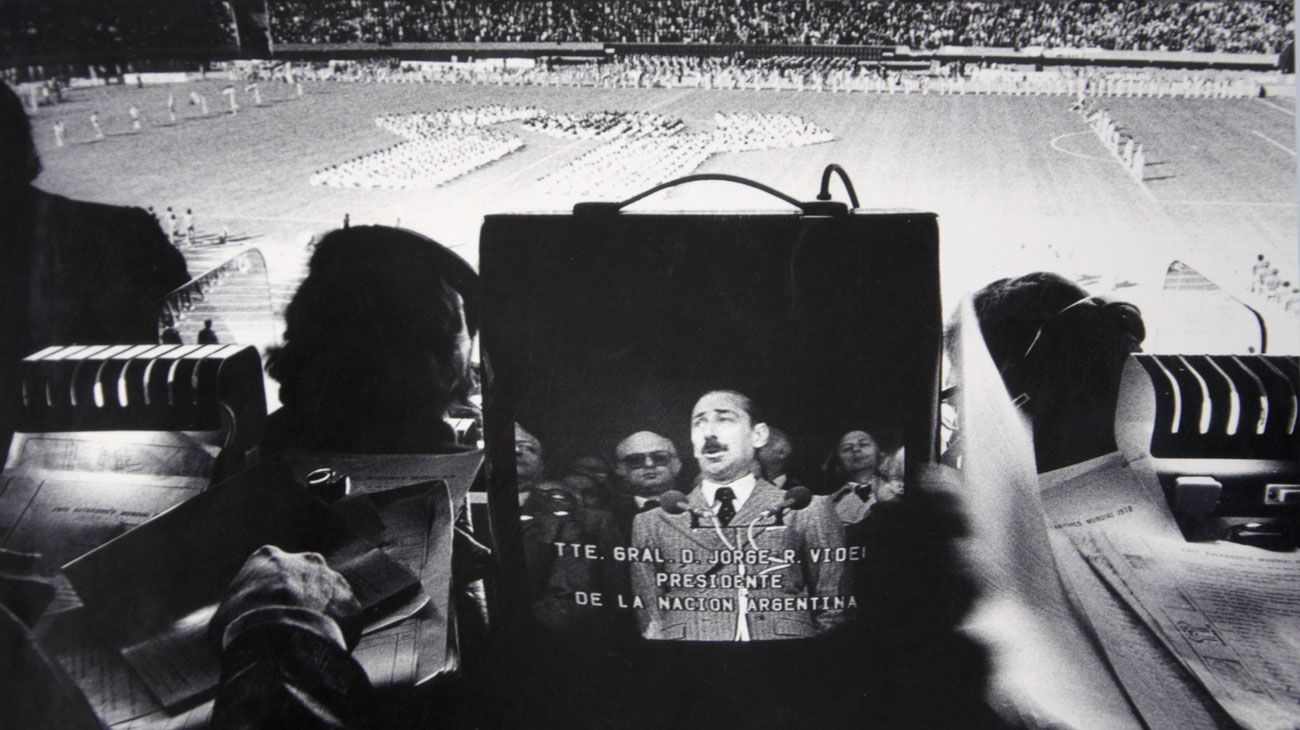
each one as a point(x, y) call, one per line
point(377, 340)
point(1061, 354)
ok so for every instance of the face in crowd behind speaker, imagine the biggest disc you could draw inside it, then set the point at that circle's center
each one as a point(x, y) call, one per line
point(647, 464)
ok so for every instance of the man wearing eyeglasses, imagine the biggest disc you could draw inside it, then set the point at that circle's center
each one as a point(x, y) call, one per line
point(647, 465)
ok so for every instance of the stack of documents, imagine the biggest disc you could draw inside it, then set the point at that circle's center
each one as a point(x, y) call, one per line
point(401, 507)
point(414, 498)
point(1095, 610)
point(152, 591)
point(1193, 631)
point(1229, 614)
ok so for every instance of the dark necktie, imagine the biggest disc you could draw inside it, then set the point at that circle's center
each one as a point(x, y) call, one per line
point(726, 505)
point(648, 505)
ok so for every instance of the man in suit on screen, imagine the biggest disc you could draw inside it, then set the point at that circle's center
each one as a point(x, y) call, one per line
point(727, 568)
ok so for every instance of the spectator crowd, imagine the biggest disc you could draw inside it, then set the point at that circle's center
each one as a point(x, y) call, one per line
point(1260, 27)
point(822, 74)
point(60, 26)
point(63, 26)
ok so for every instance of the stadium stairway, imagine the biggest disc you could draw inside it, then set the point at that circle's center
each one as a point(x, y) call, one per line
point(284, 273)
point(246, 307)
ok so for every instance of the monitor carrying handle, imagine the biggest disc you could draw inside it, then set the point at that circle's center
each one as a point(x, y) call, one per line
point(823, 206)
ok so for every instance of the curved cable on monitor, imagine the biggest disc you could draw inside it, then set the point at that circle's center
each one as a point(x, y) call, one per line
point(825, 193)
point(718, 177)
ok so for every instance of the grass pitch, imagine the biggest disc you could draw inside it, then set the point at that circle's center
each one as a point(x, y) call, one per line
point(1019, 182)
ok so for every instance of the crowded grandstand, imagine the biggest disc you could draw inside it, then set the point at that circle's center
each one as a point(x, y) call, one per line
point(1254, 27)
point(1168, 26)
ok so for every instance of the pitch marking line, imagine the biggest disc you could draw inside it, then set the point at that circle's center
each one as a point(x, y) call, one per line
point(1072, 153)
point(1273, 142)
point(1114, 156)
point(1245, 203)
point(1282, 109)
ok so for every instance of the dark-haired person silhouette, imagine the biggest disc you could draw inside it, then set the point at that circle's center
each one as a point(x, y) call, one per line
point(74, 272)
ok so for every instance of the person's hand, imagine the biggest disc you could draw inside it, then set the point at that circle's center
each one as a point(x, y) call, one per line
point(298, 582)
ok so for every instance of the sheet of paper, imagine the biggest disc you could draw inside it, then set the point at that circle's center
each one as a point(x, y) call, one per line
point(1111, 492)
point(63, 515)
point(373, 472)
point(63, 494)
point(1046, 669)
point(178, 663)
point(152, 590)
point(161, 453)
point(378, 474)
point(110, 685)
point(398, 520)
point(1230, 613)
point(436, 640)
point(1164, 693)
point(412, 523)
point(193, 719)
point(1120, 494)
point(390, 657)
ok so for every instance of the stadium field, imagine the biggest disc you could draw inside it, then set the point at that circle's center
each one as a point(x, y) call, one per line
point(1020, 182)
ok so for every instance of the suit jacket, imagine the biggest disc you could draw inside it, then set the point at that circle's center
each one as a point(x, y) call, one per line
point(556, 579)
point(772, 610)
point(625, 509)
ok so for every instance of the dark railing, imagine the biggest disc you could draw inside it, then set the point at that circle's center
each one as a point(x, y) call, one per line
point(235, 295)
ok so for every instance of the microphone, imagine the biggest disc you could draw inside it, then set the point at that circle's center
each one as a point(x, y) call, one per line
point(795, 499)
point(674, 502)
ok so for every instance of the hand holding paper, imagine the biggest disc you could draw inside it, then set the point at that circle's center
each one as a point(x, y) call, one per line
point(273, 580)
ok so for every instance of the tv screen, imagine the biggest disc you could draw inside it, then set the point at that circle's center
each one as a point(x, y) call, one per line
point(696, 423)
